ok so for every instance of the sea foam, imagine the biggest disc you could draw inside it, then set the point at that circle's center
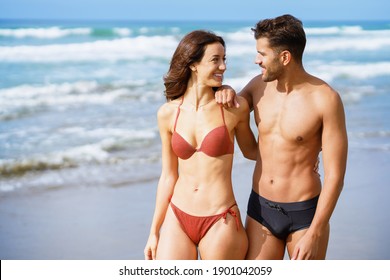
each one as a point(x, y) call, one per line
point(137, 48)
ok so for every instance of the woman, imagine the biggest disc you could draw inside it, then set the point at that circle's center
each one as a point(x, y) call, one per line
point(195, 204)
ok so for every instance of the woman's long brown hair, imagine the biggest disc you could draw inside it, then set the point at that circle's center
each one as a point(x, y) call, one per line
point(190, 50)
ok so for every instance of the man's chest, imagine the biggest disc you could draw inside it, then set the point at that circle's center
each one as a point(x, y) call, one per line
point(294, 119)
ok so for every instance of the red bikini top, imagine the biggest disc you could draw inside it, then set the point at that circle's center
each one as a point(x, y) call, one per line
point(216, 143)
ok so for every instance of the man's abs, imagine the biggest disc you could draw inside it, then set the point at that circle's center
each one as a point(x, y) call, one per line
point(285, 181)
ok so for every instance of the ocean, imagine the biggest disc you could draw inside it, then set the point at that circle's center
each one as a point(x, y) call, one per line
point(78, 100)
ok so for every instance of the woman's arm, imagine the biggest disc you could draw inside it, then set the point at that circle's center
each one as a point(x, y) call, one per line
point(166, 184)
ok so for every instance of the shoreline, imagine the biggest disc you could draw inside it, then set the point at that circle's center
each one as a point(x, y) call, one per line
point(112, 223)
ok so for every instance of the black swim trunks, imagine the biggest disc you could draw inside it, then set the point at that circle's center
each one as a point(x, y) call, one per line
point(279, 217)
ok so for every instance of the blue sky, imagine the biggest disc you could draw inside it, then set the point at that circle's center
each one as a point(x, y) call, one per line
point(194, 10)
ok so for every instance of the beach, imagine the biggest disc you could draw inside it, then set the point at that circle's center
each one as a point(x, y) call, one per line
point(111, 223)
point(80, 148)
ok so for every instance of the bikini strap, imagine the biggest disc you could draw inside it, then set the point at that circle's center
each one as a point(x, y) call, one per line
point(233, 213)
point(178, 113)
point(223, 118)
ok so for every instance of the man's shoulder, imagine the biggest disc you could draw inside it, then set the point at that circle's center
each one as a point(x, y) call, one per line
point(255, 86)
point(257, 80)
point(321, 89)
point(325, 96)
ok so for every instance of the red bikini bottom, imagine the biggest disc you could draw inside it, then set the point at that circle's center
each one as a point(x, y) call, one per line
point(196, 227)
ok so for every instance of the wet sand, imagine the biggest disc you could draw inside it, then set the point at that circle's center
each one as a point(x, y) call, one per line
point(110, 223)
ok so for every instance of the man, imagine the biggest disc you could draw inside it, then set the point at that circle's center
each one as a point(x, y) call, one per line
point(297, 116)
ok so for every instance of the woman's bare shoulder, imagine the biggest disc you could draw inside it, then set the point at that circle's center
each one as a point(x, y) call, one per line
point(242, 110)
point(167, 109)
point(244, 106)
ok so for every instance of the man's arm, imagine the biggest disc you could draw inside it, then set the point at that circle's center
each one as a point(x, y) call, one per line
point(334, 153)
point(227, 96)
point(244, 135)
point(248, 92)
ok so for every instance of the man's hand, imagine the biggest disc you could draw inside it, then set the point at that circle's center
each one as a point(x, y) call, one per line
point(226, 96)
point(306, 248)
